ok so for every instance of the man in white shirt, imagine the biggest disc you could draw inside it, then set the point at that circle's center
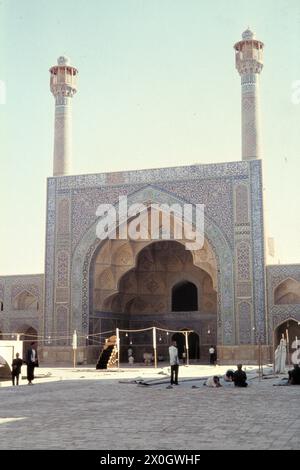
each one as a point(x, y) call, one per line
point(174, 363)
point(212, 355)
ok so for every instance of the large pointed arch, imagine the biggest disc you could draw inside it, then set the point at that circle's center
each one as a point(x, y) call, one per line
point(287, 292)
point(86, 247)
point(25, 300)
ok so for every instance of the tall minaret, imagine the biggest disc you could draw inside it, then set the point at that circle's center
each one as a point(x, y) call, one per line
point(249, 63)
point(63, 85)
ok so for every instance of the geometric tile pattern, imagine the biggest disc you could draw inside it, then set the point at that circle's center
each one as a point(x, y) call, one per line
point(244, 323)
point(277, 314)
point(241, 204)
point(13, 320)
point(213, 185)
point(243, 261)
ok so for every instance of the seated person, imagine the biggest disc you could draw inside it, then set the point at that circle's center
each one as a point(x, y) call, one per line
point(294, 375)
point(240, 377)
point(131, 360)
point(130, 351)
point(228, 377)
point(147, 358)
point(213, 381)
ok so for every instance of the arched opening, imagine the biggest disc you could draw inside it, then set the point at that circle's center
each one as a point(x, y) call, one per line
point(184, 297)
point(215, 258)
point(131, 286)
point(180, 343)
point(291, 329)
point(287, 292)
point(1, 306)
point(25, 301)
point(193, 342)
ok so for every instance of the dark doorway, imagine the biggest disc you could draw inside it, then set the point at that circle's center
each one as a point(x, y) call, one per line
point(184, 297)
point(193, 340)
point(193, 346)
point(180, 340)
point(290, 327)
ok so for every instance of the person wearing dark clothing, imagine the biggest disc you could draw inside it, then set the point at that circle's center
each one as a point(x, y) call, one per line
point(212, 355)
point(174, 363)
point(240, 377)
point(228, 377)
point(32, 362)
point(294, 375)
point(16, 369)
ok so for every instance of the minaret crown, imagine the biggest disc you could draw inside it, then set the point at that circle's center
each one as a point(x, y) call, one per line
point(248, 34)
point(63, 78)
point(63, 60)
point(249, 54)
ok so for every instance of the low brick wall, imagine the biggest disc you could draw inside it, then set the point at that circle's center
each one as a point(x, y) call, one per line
point(245, 354)
point(61, 355)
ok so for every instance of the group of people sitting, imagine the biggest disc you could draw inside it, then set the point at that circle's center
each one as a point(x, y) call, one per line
point(238, 377)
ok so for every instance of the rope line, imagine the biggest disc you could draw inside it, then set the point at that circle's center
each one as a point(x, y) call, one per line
point(56, 338)
point(92, 336)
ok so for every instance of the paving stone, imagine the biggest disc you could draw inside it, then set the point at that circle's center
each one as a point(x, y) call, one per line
point(98, 412)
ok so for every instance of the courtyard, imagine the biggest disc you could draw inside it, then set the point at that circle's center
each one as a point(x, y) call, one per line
point(87, 409)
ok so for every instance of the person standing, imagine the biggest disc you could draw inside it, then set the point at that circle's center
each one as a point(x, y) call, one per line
point(16, 369)
point(174, 363)
point(212, 355)
point(32, 362)
point(129, 352)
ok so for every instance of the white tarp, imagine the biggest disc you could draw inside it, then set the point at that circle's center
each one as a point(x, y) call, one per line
point(280, 357)
point(8, 351)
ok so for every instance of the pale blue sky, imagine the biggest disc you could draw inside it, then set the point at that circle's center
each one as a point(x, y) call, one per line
point(157, 87)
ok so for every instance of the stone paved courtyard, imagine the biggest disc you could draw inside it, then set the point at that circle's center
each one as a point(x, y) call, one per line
point(85, 409)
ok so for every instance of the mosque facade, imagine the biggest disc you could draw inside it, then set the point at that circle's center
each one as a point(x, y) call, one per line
point(225, 292)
